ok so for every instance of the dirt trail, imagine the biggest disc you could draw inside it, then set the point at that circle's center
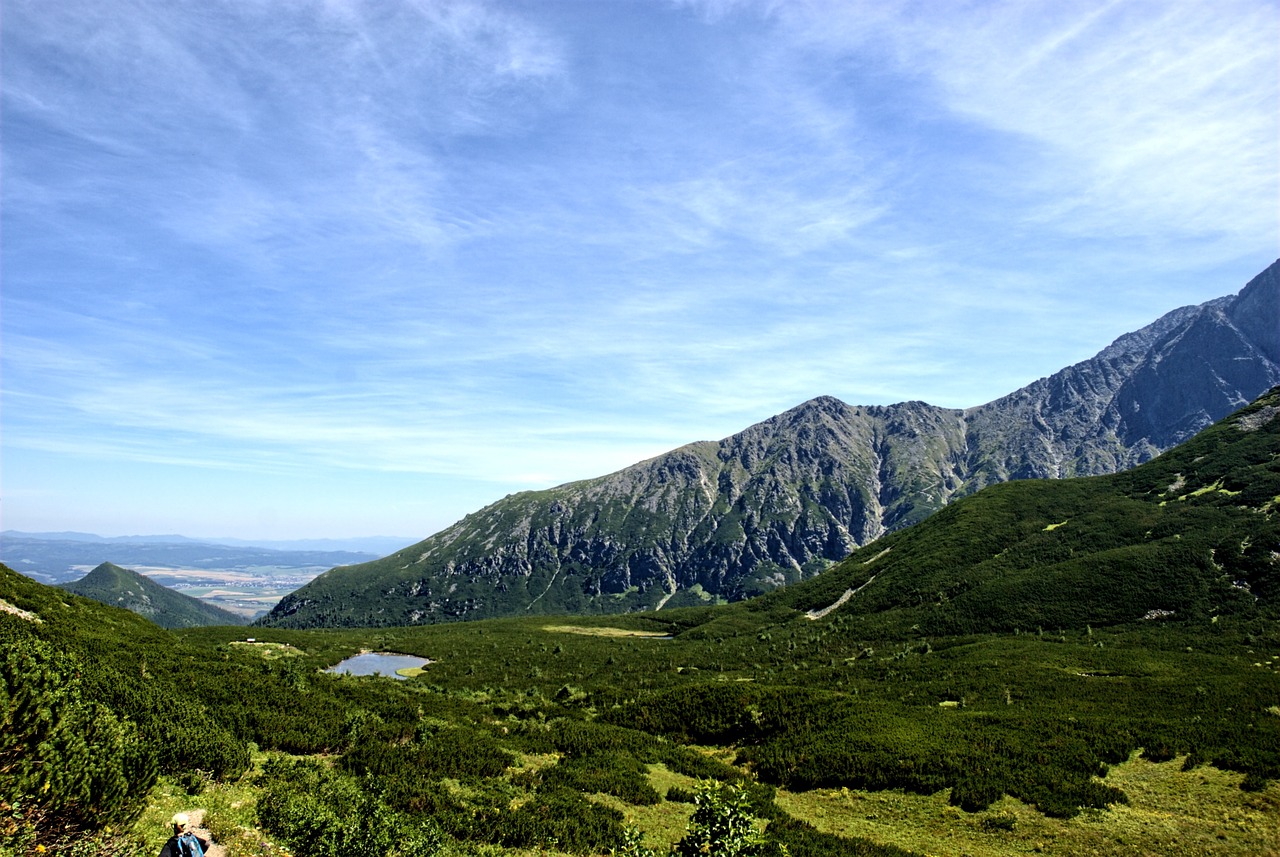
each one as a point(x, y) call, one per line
point(198, 828)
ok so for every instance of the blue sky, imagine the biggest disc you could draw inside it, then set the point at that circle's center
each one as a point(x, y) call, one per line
point(303, 268)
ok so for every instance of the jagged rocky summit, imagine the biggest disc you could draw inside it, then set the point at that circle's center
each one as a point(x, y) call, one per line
point(787, 497)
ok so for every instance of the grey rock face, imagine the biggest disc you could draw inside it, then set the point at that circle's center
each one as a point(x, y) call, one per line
point(784, 498)
point(1146, 392)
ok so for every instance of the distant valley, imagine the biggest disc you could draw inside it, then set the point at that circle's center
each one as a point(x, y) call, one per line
point(246, 580)
point(122, 587)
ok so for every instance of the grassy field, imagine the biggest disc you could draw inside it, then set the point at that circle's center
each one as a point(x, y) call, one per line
point(1171, 812)
point(603, 631)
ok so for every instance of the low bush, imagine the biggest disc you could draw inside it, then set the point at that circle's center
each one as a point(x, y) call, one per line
point(612, 773)
point(319, 812)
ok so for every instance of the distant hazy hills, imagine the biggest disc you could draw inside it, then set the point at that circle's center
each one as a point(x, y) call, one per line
point(59, 557)
point(120, 587)
point(782, 500)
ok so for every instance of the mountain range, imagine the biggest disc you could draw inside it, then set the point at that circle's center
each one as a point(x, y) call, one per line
point(375, 545)
point(784, 499)
point(121, 587)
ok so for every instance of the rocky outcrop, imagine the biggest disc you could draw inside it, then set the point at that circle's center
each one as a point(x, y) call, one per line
point(783, 499)
point(1145, 393)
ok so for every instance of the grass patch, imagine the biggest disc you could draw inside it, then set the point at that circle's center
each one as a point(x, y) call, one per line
point(663, 779)
point(527, 762)
point(1170, 812)
point(269, 651)
point(1216, 486)
point(663, 824)
point(602, 632)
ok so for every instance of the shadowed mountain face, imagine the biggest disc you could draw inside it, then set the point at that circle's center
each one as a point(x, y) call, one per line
point(784, 499)
point(122, 587)
point(1147, 392)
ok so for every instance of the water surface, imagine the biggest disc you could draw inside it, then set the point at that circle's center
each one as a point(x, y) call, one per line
point(378, 663)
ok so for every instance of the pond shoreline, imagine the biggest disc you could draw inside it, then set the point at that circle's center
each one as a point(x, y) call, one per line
point(389, 664)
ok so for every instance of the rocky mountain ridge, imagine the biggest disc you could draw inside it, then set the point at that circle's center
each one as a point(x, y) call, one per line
point(782, 500)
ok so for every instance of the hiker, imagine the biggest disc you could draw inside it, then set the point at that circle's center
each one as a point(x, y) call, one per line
point(184, 842)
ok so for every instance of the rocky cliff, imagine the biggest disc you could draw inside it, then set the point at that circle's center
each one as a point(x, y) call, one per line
point(783, 499)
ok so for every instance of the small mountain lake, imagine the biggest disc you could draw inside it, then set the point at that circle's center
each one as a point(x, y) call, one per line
point(380, 663)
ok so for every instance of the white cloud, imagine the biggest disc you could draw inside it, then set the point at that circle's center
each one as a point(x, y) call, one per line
point(759, 208)
point(1158, 118)
point(292, 137)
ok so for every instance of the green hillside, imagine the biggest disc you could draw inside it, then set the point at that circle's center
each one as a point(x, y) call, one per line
point(122, 587)
point(1088, 666)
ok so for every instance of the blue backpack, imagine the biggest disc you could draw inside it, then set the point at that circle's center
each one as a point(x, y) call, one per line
point(189, 846)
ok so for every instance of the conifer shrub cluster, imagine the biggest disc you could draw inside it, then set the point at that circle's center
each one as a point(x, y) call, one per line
point(619, 774)
point(1049, 749)
point(455, 752)
point(68, 764)
point(319, 812)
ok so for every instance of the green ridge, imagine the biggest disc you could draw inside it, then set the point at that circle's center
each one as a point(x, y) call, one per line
point(122, 587)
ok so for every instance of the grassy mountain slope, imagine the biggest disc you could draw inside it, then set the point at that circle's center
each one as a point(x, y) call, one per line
point(122, 587)
point(782, 500)
point(96, 701)
point(92, 707)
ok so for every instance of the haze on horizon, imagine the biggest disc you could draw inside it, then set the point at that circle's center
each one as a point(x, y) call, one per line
point(331, 268)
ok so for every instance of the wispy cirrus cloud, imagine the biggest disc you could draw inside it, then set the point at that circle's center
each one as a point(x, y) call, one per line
point(296, 136)
point(1156, 117)
point(758, 208)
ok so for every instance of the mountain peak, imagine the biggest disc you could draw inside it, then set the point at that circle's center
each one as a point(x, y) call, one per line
point(123, 587)
point(1256, 311)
